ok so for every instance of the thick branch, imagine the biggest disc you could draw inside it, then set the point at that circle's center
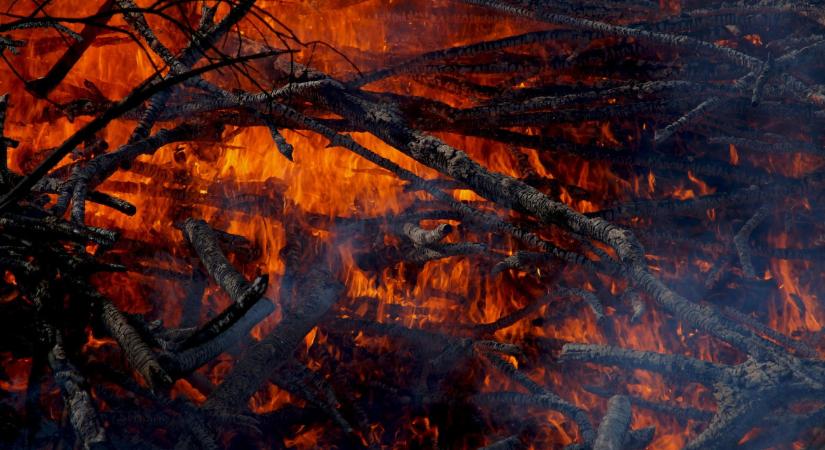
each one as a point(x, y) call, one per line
point(319, 291)
point(615, 425)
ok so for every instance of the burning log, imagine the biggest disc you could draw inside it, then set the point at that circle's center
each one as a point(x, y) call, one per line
point(140, 356)
point(78, 402)
point(680, 413)
point(197, 347)
point(244, 294)
point(423, 237)
point(270, 353)
point(421, 255)
point(184, 361)
point(510, 192)
point(613, 431)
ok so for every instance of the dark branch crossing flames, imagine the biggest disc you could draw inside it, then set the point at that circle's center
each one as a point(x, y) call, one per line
point(405, 224)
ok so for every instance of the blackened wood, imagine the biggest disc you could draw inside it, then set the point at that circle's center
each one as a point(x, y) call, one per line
point(523, 260)
point(589, 297)
point(297, 378)
point(640, 439)
point(674, 365)
point(244, 295)
point(41, 87)
point(77, 400)
point(615, 425)
point(317, 291)
point(230, 315)
point(383, 121)
point(785, 145)
point(762, 77)
point(138, 353)
point(203, 240)
point(194, 297)
point(51, 227)
point(689, 117)
point(678, 412)
point(637, 304)
point(185, 361)
point(194, 51)
point(740, 240)
point(424, 237)
point(420, 254)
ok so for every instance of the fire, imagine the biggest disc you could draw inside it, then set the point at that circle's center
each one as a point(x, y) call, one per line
point(239, 183)
point(270, 400)
point(185, 389)
point(16, 373)
point(423, 431)
point(305, 438)
point(704, 188)
point(93, 343)
point(734, 155)
point(754, 39)
point(798, 309)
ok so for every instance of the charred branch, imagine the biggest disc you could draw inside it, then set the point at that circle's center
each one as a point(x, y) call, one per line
point(140, 356)
point(244, 295)
point(318, 292)
point(681, 413)
point(78, 401)
point(673, 365)
point(422, 237)
point(613, 430)
point(740, 240)
point(44, 85)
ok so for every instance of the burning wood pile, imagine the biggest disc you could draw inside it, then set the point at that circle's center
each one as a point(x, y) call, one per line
point(491, 224)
